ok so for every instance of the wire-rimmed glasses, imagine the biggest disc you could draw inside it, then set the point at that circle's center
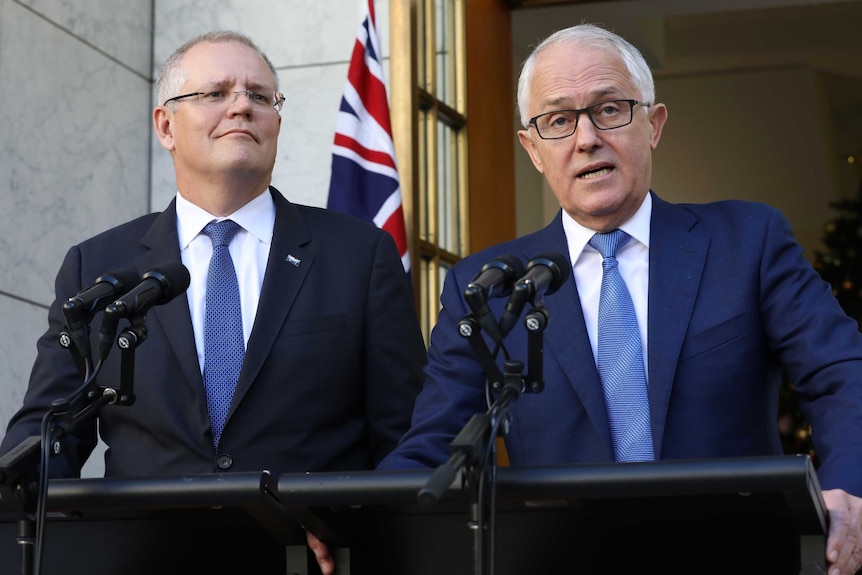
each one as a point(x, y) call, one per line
point(262, 99)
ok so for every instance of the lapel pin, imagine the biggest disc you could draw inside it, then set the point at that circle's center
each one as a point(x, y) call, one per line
point(293, 260)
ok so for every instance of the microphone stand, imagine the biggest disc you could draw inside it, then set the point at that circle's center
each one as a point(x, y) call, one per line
point(21, 479)
point(474, 448)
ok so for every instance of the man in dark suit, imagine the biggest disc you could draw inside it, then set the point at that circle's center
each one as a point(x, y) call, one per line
point(722, 295)
point(332, 346)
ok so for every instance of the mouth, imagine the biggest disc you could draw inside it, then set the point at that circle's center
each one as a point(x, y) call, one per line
point(240, 133)
point(595, 173)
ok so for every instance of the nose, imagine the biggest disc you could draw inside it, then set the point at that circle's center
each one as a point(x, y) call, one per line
point(246, 93)
point(241, 104)
point(586, 136)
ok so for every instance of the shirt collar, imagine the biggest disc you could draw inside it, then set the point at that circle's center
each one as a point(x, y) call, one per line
point(636, 226)
point(257, 217)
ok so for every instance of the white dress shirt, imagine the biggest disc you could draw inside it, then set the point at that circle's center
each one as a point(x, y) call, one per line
point(633, 261)
point(249, 250)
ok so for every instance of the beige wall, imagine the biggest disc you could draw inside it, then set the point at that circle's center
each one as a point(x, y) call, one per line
point(758, 136)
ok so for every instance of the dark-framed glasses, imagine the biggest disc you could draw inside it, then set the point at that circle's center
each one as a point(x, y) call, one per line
point(261, 99)
point(604, 116)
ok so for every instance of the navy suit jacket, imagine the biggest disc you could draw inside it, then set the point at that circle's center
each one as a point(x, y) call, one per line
point(731, 300)
point(331, 371)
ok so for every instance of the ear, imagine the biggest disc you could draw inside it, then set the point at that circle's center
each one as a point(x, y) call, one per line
point(526, 140)
point(657, 118)
point(162, 122)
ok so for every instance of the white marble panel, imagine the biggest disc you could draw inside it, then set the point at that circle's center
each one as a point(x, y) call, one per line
point(74, 156)
point(121, 28)
point(291, 32)
point(304, 161)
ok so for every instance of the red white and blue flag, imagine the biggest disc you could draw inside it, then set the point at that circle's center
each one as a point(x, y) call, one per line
point(364, 180)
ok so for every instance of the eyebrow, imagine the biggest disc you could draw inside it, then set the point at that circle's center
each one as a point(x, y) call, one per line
point(258, 86)
point(224, 84)
point(596, 96)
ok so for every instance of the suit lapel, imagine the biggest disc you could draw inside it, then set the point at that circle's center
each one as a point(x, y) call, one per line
point(288, 264)
point(566, 335)
point(290, 259)
point(162, 243)
point(677, 255)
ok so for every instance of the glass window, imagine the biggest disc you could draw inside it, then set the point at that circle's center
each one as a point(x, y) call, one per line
point(432, 64)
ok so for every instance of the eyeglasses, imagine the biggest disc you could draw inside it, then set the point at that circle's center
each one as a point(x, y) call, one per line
point(264, 100)
point(604, 116)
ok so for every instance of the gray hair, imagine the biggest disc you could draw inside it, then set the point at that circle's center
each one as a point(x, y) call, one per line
point(589, 36)
point(172, 76)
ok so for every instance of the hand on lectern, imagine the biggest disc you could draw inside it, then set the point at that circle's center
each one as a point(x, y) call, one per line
point(844, 542)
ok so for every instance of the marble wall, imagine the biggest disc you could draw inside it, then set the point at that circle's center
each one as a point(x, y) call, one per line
point(77, 154)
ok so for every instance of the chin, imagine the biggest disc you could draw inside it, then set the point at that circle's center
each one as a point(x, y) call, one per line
point(598, 202)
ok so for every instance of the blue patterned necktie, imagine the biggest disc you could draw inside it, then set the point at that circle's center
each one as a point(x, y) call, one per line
point(224, 346)
point(620, 361)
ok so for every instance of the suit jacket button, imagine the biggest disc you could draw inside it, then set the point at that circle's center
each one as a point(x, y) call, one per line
point(224, 461)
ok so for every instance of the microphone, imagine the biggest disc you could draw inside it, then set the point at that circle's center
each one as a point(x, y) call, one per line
point(80, 308)
point(545, 274)
point(158, 286)
point(495, 279)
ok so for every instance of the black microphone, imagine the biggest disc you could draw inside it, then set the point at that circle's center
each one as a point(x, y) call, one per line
point(545, 274)
point(80, 308)
point(495, 279)
point(158, 286)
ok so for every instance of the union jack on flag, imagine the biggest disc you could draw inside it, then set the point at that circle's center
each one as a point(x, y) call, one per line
point(364, 180)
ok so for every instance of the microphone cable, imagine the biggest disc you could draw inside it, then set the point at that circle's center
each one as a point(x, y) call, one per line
point(46, 445)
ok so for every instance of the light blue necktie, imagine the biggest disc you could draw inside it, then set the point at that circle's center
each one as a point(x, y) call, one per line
point(224, 346)
point(620, 361)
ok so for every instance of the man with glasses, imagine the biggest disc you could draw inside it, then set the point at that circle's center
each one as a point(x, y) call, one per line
point(668, 323)
point(316, 363)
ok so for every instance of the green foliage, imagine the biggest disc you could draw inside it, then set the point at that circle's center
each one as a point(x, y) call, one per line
point(841, 264)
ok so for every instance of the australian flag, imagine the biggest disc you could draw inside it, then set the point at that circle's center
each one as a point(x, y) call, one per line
point(364, 180)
